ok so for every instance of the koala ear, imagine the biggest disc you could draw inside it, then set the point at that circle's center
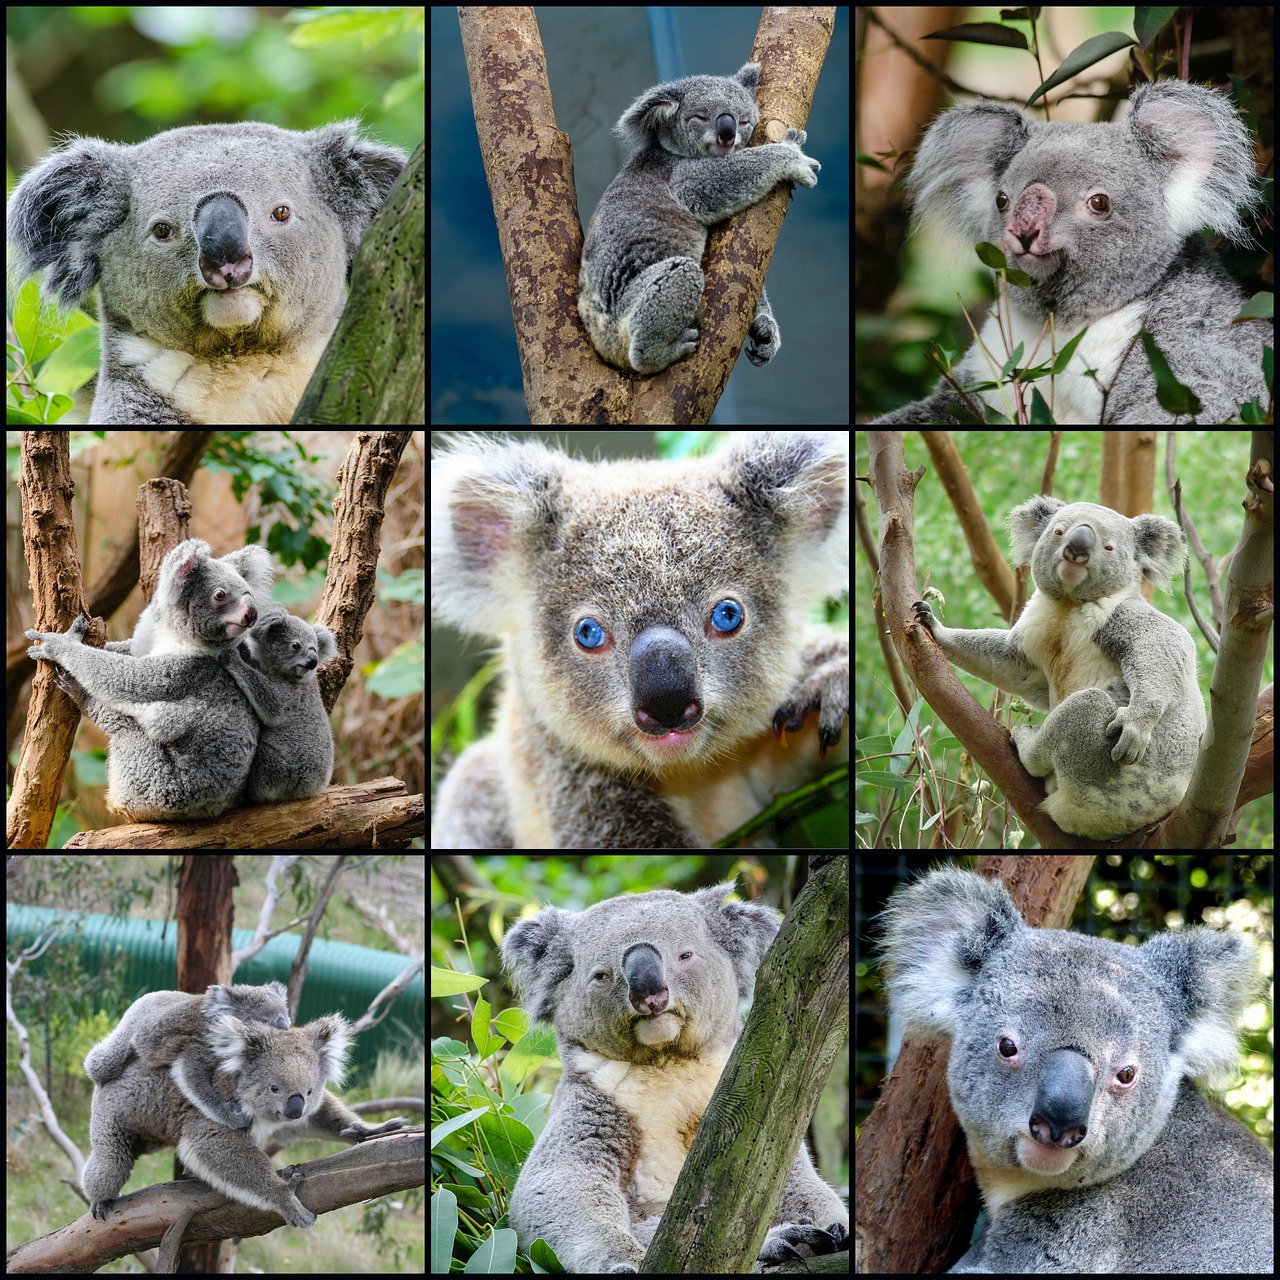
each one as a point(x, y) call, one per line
point(331, 1036)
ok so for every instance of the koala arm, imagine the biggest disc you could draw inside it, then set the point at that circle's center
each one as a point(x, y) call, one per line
point(716, 189)
point(994, 656)
point(335, 1121)
point(274, 702)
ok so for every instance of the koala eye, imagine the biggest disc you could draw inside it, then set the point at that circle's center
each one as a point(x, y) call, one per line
point(685, 955)
point(602, 975)
point(589, 633)
point(727, 616)
point(1002, 202)
point(219, 596)
point(1126, 1076)
point(164, 232)
point(282, 213)
point(1006, 1047)
point(1100, 203)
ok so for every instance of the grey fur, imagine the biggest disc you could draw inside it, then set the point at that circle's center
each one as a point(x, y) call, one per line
point(1070, 1069)
point(220, 253)
point(274, 666)
point(169, 1028)
point(277, 1076)
point(1117, 676)
point(654, 620)
point(641, 277)
point(644, 991)
point(1181, 160)
point(182, 736)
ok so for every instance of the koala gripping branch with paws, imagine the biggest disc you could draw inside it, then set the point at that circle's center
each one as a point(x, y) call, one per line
point(1073, 1064)
point(641, 277)
point(1117, 676)
point(220, 253)
point(656, 643)
point(1106, 220)
point(644, 992)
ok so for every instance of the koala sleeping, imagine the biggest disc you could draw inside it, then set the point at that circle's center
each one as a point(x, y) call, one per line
point(644, 991)
point(1106, 220)
point(277, 1076)
point(220, 253)
point(656, 644)
point(1117, 676)
point(1071, 1071)
point(641, 276)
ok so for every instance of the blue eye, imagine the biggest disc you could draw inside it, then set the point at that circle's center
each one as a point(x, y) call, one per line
point(589, 633)
point(727, 616)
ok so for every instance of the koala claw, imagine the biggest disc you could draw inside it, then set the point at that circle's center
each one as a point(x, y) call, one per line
point(797, 1241)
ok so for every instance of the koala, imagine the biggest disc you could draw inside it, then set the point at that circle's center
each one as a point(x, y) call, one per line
point(1071, 1069)
point(641, 277)
point(274, 666)
point(278, 1076)
point(644, 992)
point(169, 1028)
point(653, 618)
point(1117, 676)
point(220, 253)
point(182, 735)
point(1105, 219)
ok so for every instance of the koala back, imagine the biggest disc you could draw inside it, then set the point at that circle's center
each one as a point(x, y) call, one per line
point(1071, 1067)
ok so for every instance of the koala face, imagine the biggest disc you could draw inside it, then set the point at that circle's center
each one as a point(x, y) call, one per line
point(281, 1074)
point(638, 978)
point(289, 648)
point(207, 603)
point(698, 116)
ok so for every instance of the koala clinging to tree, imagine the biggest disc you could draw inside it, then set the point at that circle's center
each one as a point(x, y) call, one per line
point(644, 991)
point(1071, 1069)
point(1117, 676)
point(171, 1029)
point(220, 253)
point(278, 1076)
point(1106, 220)
point(182, 735)
point(641, 277)
point(654, 622)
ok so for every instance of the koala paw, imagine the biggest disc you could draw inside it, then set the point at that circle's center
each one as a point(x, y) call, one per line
point(924, 614)
point(825, 689)
point(100, 1209)
point(806, 168)
point(360, 1131)
point(54, 642)
point(796, 1241)
point(763, 339)
point(1134, 738)
point(237, 1117)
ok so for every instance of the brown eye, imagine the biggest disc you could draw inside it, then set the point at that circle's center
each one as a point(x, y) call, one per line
point(1002, 201)
point(164, 231)
point(1100, 203)
point(282, 213)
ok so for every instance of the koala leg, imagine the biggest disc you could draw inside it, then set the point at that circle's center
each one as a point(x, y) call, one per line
point(658, 312)
point(109, 1164)
point(763, 338)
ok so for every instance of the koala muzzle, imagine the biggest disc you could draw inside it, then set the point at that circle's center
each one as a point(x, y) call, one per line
point(1063, 1100)
point(1079, 546)
point(222, 232)
point(646, 986)
point(293, 1108)
point(726, 129)
point(664, 682)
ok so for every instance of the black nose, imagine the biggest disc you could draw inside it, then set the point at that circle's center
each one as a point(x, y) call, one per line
point(726, 129)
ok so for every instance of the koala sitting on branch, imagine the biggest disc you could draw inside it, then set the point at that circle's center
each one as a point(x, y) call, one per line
point(641, 276)
point(1117, 676)
point(1105, 219)
point(278, 1076)
point(220, 253)
point(644, 991)
point(1072, 1062)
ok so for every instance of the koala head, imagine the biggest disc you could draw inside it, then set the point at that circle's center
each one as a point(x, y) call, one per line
point(1093, 213)
point(268, 1003)
point(281, 1075)
point(288, 648)
point(695, 117)
point(637, 978)
point(211, 239)
point(1084, 552)
point(1067, 1052)
point(202, 604)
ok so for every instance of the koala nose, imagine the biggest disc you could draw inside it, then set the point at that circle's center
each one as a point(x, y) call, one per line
point(293, 1108)
point(1080, 545)
point(726, 129)
point(222, 232)
point(664, 692)
point(1063, 1099)
point(646, 987)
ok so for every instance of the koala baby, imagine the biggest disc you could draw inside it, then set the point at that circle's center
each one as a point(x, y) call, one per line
point(641, 276)
point(654, 621)
point(1070, 1071)
point(274, 666)
point(1117, 676)
point(170, 1028)
point(220, 253)
point(644, 992)
point(182, 736)
point(277, 1076)
point(1106, 220)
